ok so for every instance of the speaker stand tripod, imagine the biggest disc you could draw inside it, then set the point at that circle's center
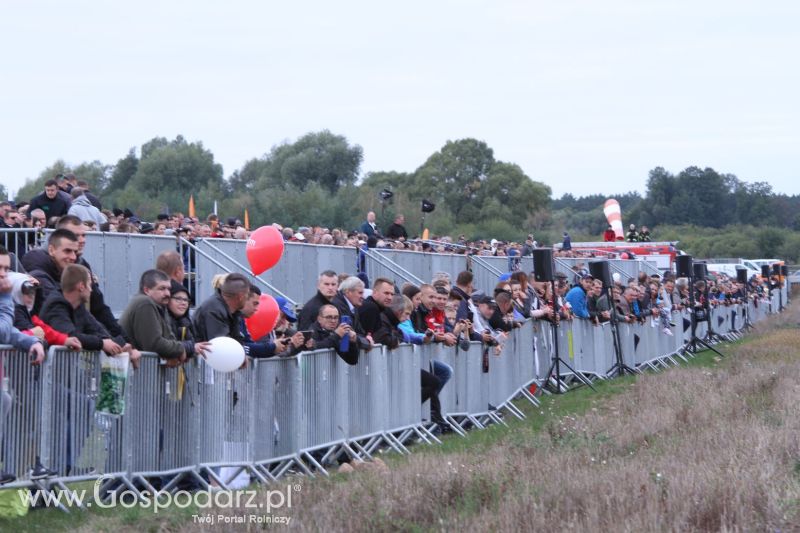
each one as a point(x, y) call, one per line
point(695, 340)
point(619, 368)
point(555, 366)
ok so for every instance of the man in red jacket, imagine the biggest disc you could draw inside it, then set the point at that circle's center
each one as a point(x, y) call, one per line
point(609, 235)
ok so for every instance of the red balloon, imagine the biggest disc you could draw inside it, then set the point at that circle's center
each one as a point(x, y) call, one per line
point(265, 319)
point(264, 249)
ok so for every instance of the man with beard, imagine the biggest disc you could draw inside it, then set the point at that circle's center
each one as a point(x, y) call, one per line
point(145, 321)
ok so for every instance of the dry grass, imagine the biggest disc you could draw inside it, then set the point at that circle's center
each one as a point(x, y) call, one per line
point(695, 449)
point(703, 448)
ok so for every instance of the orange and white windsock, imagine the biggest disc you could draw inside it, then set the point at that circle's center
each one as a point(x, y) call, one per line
point(614, 216)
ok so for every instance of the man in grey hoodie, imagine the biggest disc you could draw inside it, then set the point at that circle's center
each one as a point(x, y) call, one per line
point(82, 208)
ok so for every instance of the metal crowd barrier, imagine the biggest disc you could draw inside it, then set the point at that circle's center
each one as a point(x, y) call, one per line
point(118, 260)
point(297, 412)
point(20, 241)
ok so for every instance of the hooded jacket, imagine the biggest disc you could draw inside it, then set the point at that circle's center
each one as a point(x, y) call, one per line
point(41, 266)
point(24, 320)
point(83, 209)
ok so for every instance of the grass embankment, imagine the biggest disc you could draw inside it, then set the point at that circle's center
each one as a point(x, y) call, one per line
point(713, 445)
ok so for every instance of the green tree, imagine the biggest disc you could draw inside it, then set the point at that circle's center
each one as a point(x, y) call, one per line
point(123, 171)
point(316, 158)
point(454, 176)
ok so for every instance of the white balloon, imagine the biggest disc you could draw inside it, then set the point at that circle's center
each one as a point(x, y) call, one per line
point(225, 354)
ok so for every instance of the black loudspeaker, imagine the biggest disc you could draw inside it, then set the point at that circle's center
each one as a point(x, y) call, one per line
point(764, 271)
point(741, 275)
point(683, 266)
point(784, 270)
point(700, 271)
point(543, 264)
point(600, 270)
point(776, 269)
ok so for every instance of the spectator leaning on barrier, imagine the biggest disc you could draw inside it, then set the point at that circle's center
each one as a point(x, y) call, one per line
point(50, 201)
point(503, 317)
point(66, 311)
point(422, 307)
point(464, 289)
point(597, 303)
point(628, 306)
point(486, 308)
point(390, 335)
point(327, 285)
point(83, 209)
point(178, 309)
point(369, 314)
point(24, 291)
point(577, 296)
point(146, 323)
point(47, 265)
point(284, 331)
point(219, 315)
point(348, 301)
point(258, 349)
point(11, 335)
point(328, 333)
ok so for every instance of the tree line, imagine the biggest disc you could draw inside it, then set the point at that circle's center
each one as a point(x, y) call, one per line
point(317, 180)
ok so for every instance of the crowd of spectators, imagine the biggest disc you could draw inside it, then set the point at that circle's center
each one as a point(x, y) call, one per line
point(54, 298)
point(66, 194)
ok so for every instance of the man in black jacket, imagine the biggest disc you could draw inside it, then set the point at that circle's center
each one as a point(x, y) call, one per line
point(369, 314)
point(51, 262)
point(50, 201)
point(348, 301)
point(47, 265)
point(219, 315)
point(327, 285)
point(397, 231)
point(65, 311)
point(328, 332)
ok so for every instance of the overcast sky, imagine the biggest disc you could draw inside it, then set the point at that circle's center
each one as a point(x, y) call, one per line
point(584, 96)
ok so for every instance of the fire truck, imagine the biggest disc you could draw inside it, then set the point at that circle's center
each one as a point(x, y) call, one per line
point(662, 253)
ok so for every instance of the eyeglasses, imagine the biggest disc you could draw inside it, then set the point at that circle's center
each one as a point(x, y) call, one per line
point(330, 317)
point(181, 299)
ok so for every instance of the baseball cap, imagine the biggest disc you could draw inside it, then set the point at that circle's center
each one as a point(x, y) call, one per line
point(286, 309)
point(483, 299)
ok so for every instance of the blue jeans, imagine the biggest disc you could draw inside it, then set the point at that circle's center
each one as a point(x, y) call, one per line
point(443, 373)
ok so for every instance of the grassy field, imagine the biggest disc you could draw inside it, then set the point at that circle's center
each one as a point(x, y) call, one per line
point(711, 446)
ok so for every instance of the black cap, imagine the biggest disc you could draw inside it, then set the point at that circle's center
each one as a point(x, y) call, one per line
point(483, 299)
